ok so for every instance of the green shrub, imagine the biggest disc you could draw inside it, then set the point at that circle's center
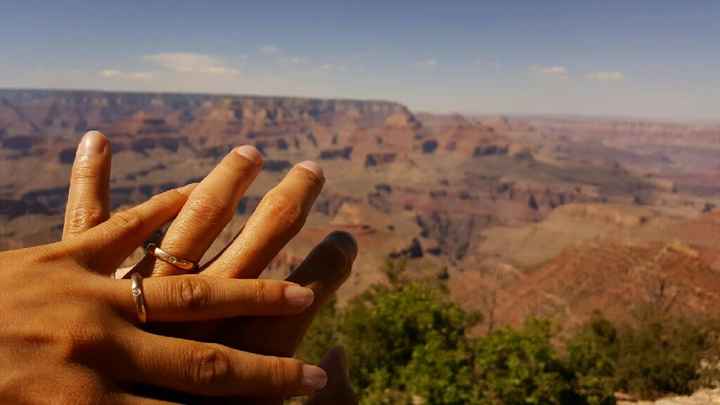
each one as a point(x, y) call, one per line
point(395, 330)
point(660, 356)
point(440, 375)
point(408, 341)
point(592, 354)
point(652, 356)
point(521, 366)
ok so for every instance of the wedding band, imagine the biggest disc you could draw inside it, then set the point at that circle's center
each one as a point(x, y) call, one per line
point(137, 292)
point(166, 257)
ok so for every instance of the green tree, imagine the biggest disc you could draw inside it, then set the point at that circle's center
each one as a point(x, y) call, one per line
point(521, 366)
point(654, 355)
point(592, 354)
point(391, 331)
point(660, 356)
point(408, 341)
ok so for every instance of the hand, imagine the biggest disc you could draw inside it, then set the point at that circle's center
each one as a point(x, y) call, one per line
point(338, 389)
point(69, 332)
point(277, 219)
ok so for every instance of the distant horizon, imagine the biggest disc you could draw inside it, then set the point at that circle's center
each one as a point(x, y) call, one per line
point(476, 114)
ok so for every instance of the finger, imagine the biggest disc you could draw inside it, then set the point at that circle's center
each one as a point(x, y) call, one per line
point(338, 390)
point(209, 208)
point(279, 216)
point(212, 369)
point(105, 246)
point(195, 298)
point(88, 198)
point(324, 271)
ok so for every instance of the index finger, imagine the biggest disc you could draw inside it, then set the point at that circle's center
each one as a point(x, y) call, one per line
point(104, 247)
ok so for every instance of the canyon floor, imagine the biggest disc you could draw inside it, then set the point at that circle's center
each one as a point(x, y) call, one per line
point(523, 215)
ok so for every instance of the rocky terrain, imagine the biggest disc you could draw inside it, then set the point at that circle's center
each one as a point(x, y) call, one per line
point(556, 216)
point(702, 397)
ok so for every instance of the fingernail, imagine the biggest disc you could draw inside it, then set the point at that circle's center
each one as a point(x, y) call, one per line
point(299, 297)
point(313, 167)
point(250, 153)
point(93, 143)
point(314, 377)
point(345, 242)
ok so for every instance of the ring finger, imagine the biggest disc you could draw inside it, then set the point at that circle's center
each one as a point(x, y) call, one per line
point(209, 208)
point(277, 219)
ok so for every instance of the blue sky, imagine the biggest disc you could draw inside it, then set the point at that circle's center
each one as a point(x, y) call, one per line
point(658, 58)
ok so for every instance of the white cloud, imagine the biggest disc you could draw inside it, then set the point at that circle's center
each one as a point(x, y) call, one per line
point(559, 71)
point(110, 73)
point(299, 60)
point(116, 74)
point(185, 62)
point(270, 50)
point(431, 62)
point(330, 67)
point(606, 76)
point(282, 57)
point(293, 60)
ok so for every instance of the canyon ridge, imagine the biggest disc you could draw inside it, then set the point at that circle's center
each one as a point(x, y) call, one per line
point(555, 216)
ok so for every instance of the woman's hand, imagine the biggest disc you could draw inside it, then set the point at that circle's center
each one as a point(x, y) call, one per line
point(69, 333)
point(276, 220)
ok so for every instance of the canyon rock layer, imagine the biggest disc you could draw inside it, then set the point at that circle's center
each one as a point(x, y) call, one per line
point(551, 216)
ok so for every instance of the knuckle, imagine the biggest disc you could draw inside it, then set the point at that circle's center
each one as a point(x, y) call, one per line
point(128, 221)
point(284, 374)
point(285, 210)
point(84, 171)
point(84, 217)
point(260, 292)
point(209, 365)
point(210, 209)
point(192, 293)
point(45, 254)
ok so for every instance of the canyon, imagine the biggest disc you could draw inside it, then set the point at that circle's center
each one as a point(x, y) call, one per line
point(520, 215)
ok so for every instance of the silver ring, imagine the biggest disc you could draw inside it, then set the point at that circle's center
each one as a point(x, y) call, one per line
point(166, 257)
point(136, 288)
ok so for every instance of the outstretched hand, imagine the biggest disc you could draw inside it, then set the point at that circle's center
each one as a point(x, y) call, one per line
point(209, 208)
point(70, 333)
